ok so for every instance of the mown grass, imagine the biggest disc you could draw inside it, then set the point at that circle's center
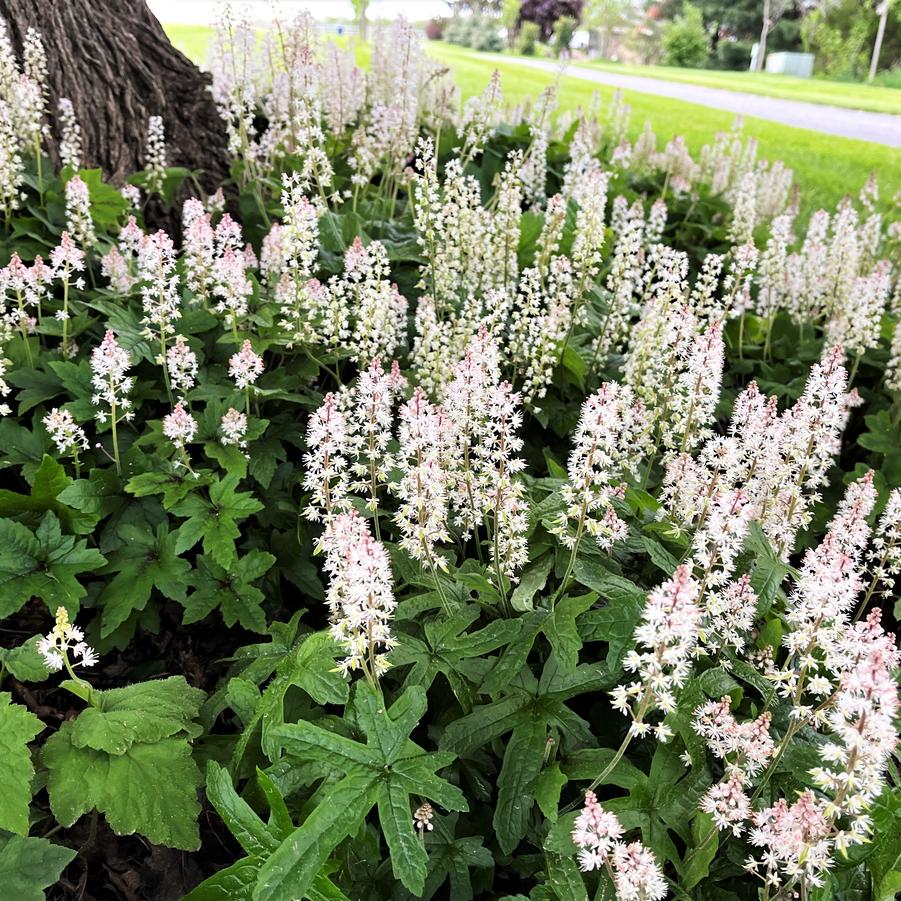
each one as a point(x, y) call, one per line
point(826, 167)
point(192, 40)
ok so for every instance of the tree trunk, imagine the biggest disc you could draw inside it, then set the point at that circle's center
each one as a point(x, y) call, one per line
point(112, 59)
point(882, 12)
point(764, 31)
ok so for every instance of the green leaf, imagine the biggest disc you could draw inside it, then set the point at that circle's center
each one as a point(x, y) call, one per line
point(310, 665)
point(533, 580)
point(408, 856)
point(249, 830)
point(560, 628)
point(234, 883)
point(129, 758)
point(292, 868)
point(230, 590)
point(24, 661)
point(547, 790)
point(616, 622)
point(523, 758)
point(215, 521)
point(589, 763)
point(485, 723)
point(50, 480)
point(516, 653)
point(564, 879)
point(145, 562)
point(29, 865)
point(43, 564)
point(18, 726)
point(704, 843)
point(151, 788)
point(144, 712)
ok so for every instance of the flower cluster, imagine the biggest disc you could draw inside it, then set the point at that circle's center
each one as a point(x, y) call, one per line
point(65, 638)
point(635, 871)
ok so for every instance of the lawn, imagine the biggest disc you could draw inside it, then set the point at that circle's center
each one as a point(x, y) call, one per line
point(192, 40)
point(826, 167)
point(811, 90)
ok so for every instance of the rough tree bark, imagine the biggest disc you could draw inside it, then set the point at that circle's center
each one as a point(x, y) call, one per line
point(112, 59)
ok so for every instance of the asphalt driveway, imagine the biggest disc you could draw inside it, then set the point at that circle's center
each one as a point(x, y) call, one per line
point(880, 128)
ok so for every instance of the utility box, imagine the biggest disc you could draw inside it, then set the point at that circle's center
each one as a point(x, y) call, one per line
point(798, 64)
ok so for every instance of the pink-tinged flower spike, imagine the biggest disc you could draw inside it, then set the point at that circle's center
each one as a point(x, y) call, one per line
point(719, 539)
point(326, 462)
point(884, 559)
point(198, 249)
point(109, 365)
point(637, 874)
point(696, 392)
point(14, 278)
point(729, 614)
point(180, 427)
point(422, 488)
point(501, 493)
point(182, 365)
point(360, 595)
point(727, 802)
point(856, 324)
point(63, 639)
point(233, 427)
point(160, 297)
point(231, 287)
point(808, 439)
point(78, 213)
point(66, 259)
point(595, 832)
point(608, 445)
point(633, 867)
point(245, 367)
point(66, 434)
point(466, 406)
point(795, 842)
point(862, 725)
point(666, 639)
point(300, 250)
point(371, 423)
point(818, 609)
point(132, 193)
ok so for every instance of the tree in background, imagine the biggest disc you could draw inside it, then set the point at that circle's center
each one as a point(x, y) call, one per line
point(529, 33)
point(733, 25)
point(360, 7)
point(842, 34)
point(544, 13)
point(510, 19)
point(605, 16)
point(685, 41)
point(773, 11)
point(882, 12)
point(564, 29)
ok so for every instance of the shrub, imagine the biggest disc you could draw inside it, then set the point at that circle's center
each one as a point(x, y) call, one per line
point(529, 33)
point(546, 12)
point(434, 29)
point(564, 29)
point(685, 41)
point(733, 55)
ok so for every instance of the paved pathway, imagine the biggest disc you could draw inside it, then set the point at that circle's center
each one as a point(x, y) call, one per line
point(881, 128)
